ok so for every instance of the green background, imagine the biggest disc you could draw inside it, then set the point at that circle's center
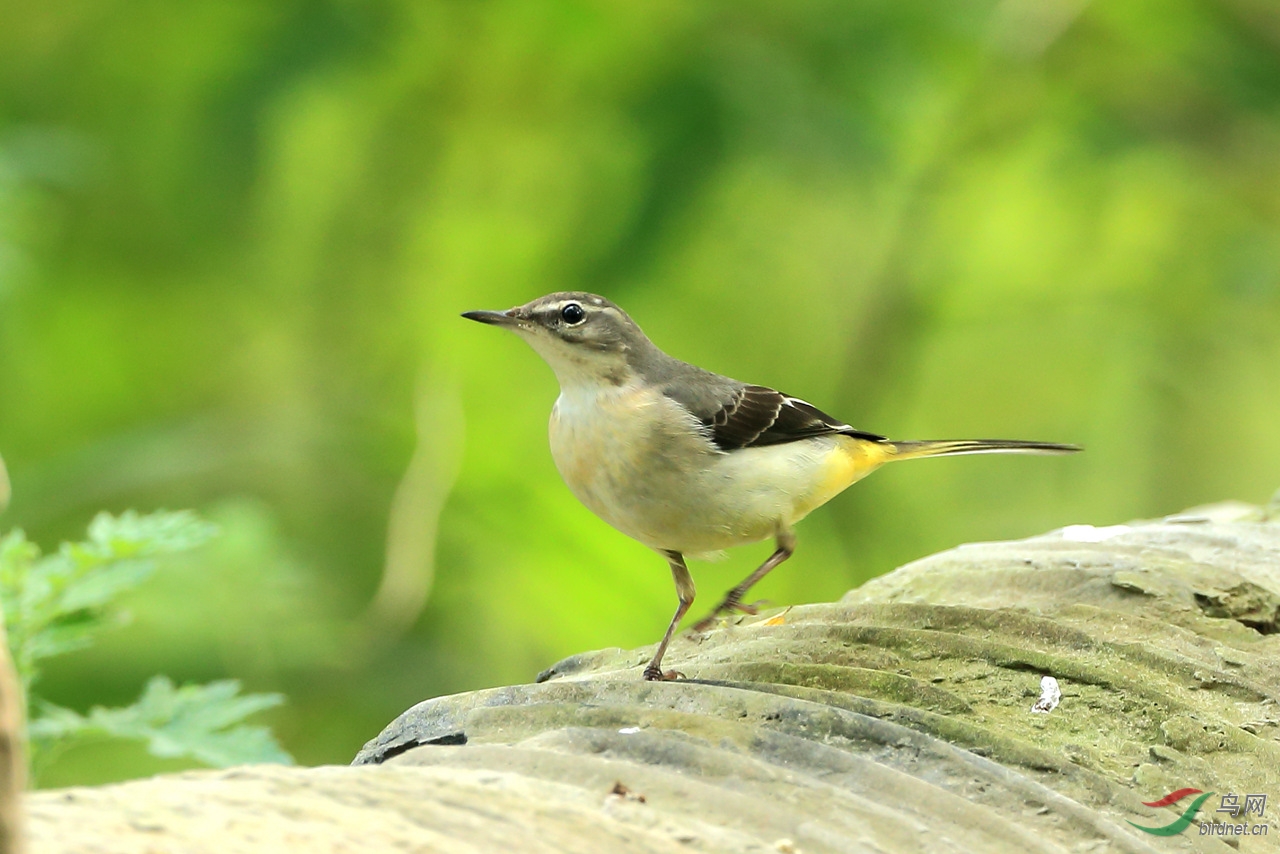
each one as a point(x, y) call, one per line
point(235, 239)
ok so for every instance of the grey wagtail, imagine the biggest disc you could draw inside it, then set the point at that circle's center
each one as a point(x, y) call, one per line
point(689, 462)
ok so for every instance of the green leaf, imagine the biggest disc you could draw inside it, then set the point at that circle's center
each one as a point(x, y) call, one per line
point(134, 535)
point(17, 554)
point(201, 722)
point(59, 603)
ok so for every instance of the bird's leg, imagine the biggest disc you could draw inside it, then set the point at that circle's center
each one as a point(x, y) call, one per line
point(685, 591)
point(733, 599)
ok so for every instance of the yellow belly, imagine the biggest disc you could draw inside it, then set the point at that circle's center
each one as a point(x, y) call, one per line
point(849, 461)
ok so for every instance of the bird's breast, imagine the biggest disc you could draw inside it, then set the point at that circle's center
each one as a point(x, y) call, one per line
point(630, 455)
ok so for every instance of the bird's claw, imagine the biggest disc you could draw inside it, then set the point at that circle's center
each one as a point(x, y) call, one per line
point(706, 623)
point(725, 607)
point(653, 674)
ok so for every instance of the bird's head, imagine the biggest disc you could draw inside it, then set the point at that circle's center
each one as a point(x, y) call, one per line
point(583, 337)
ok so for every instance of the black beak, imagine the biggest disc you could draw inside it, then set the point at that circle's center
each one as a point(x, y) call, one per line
point(496, 318)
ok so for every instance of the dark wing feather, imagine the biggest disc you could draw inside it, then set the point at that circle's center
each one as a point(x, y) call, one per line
point(755, 415)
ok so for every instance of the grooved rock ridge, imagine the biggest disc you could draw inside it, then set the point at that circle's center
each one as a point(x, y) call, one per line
point(898, 719)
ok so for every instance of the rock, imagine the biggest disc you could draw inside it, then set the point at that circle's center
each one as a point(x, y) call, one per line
point(897, 719)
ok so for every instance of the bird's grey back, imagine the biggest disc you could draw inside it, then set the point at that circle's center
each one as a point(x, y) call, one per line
point(735, 414)
point(700, 391)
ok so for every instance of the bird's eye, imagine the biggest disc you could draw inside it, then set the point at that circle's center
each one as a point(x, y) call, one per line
point(573, 314)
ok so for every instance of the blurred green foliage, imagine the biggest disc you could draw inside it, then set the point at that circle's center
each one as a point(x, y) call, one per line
point(60, 603)
point(235, 238)
point(63, 602)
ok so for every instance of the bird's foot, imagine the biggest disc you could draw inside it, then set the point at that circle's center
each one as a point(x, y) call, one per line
point(655, 674)
point(707, 622)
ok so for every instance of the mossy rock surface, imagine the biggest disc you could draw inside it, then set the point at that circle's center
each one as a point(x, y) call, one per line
point(898, 719)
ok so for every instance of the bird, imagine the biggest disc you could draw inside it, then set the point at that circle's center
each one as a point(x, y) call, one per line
point(689, 462)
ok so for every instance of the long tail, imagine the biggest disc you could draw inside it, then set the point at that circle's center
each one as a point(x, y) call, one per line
point(942, 447)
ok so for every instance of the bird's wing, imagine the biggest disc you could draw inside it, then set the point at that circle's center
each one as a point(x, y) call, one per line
point(752, 416)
